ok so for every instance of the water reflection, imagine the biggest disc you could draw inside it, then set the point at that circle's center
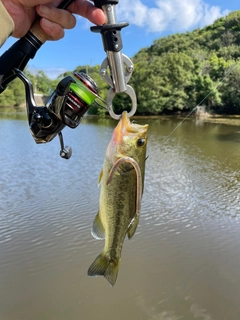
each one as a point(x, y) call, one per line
point(183, 262)
point(10, 114)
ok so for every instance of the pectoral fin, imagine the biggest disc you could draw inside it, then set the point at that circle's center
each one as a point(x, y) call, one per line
point(100, 177)
point(98, 231)
point(133, 227)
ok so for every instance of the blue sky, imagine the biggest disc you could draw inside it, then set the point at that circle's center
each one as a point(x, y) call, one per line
point(148, 20)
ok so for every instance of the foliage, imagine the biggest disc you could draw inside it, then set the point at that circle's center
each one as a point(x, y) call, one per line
point(14, 94)
point(180, 71)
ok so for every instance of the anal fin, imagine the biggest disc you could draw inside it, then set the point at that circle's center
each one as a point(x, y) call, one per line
point(98, 230)
point(132, 226)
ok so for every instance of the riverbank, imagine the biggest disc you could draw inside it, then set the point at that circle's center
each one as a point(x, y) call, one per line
point(232, 120)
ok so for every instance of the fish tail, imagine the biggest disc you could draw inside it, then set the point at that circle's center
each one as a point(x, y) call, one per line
point(102, 266)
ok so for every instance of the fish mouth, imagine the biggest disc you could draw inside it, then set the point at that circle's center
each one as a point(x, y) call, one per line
point(121, 128)
point(126, 127)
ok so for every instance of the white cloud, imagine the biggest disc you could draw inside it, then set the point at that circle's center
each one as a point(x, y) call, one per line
point(51, 73)
point(137, 12)
point(168, 15)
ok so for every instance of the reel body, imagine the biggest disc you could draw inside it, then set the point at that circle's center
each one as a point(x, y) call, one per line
point(66, 107)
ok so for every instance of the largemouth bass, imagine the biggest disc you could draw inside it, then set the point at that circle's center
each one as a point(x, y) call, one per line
point(122, 180)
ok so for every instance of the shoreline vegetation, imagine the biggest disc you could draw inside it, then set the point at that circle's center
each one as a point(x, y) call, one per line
point(173, 75)
point(232, 120)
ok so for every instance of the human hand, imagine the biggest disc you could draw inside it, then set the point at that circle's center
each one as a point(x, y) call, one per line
point(53, 21)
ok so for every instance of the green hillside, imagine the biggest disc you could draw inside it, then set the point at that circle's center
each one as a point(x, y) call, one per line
point(178, 71)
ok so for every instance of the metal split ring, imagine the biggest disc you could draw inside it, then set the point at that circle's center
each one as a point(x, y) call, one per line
point(111, 94)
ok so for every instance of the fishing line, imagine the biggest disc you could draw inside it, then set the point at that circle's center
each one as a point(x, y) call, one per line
point(101, 105)
point(188, 115)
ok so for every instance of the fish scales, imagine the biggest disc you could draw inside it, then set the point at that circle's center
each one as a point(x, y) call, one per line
point(122, 180)
point(124, 205)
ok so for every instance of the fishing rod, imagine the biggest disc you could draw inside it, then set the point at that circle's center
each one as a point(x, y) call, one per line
point(65, 107)
point(18, 55)
point(74, 94)
point(68, 103)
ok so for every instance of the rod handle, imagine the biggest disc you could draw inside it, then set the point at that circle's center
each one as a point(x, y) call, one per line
point(36, 29)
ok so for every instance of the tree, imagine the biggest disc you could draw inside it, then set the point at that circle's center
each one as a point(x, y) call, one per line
point(230, 91)
point(207, 92)
point(13, 95)
point(43, 83)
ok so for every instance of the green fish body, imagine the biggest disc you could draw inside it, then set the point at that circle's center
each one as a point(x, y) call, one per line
point(122, 179)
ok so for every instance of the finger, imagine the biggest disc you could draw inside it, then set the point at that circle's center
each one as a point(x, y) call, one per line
point(88, 10)
point(62, 17)
point(54, 30)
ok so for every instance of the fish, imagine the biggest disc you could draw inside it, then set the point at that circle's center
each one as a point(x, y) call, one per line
point(122, 183)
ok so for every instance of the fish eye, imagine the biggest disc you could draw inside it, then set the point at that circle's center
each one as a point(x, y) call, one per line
point(141, 142)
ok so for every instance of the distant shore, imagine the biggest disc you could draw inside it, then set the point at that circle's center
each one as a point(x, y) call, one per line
point(233, 120)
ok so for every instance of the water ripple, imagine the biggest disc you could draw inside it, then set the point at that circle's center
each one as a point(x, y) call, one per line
point(188, 233)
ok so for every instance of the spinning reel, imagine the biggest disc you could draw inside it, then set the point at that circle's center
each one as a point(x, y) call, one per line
point(66, 107)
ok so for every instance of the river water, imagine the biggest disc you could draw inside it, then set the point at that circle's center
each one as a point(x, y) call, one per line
point(183, 262)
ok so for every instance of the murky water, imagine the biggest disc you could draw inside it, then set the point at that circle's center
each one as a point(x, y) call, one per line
point(182, 264)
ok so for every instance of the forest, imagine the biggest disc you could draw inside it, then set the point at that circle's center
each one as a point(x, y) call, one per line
point(174, 74)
